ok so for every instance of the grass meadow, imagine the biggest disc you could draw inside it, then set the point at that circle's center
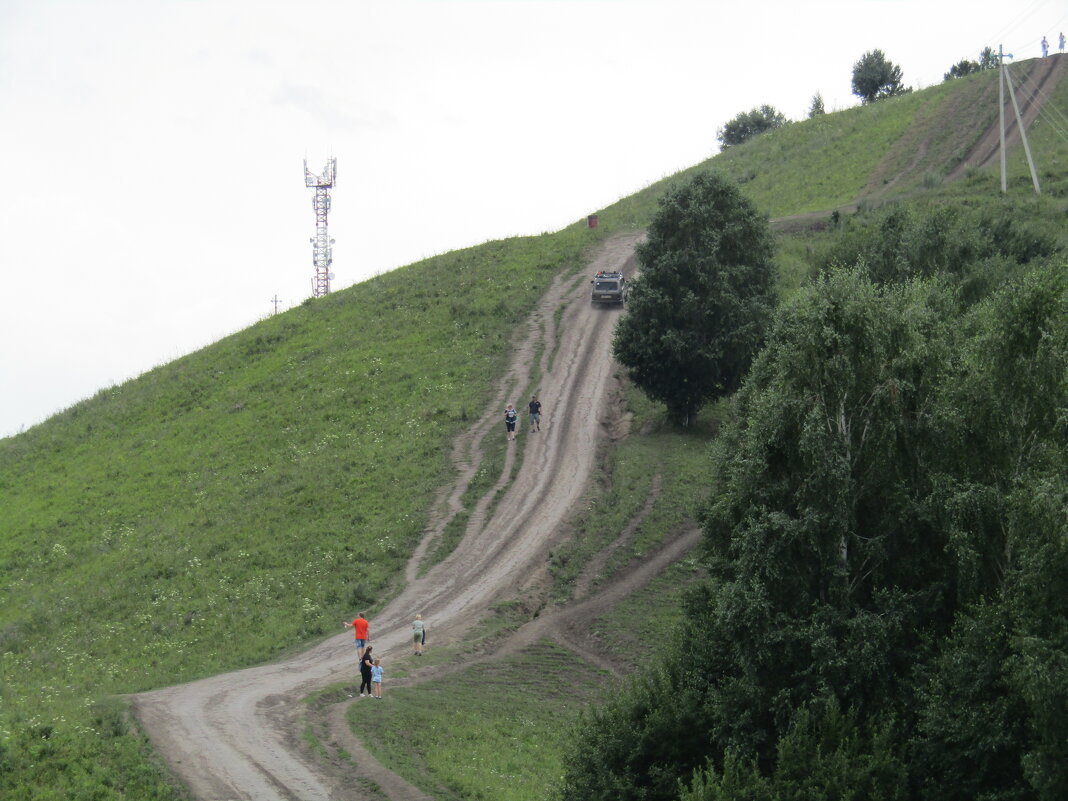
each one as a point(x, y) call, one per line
point(655, 450)
point(242, 501)
point(237, 503)
point(450, 738)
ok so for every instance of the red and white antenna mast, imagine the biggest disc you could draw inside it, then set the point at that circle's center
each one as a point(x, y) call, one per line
point(322, 256)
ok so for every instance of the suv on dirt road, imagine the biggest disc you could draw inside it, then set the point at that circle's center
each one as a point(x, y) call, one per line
point(608, 287)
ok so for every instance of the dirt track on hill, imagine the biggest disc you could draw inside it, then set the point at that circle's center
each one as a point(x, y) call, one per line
point(1031, 95)
point(238, 735)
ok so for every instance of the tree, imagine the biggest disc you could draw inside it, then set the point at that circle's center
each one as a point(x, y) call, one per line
point(886, 540)
point(700, 305)
point(960, 69)
point(875, 78)
point(973, 249)
point(825, 754)
point(991, 715)
point(749, 124)
point(988, 60)
point(818, 554)
point(816, 108)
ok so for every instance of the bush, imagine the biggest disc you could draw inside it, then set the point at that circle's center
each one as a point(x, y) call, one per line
point(749, 124)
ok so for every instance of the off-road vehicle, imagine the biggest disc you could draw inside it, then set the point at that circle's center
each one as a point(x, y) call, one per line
point(608, 287)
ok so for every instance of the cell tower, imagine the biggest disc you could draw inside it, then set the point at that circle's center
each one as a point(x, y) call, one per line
point(322, 257)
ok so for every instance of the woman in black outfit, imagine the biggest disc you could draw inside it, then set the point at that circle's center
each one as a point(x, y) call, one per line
point(365, 671)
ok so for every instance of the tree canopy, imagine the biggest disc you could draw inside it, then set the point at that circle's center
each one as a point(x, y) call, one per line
point(886, 538)
point(988, 60)
point(749, 124)
point(875, 77)
point(699, 307)
point(816, 107)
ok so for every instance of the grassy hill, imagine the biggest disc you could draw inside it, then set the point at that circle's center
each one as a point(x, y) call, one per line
point(241, 501)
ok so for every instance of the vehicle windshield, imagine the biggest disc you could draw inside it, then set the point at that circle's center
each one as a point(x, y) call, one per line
point(606, 286)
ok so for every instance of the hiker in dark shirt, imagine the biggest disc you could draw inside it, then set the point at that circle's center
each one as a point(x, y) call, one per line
point(535, 413)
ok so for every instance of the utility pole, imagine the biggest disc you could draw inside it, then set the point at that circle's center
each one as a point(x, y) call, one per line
point(1001, 113)
point(1023, 136)
point(1004, 79)
point(275, 301)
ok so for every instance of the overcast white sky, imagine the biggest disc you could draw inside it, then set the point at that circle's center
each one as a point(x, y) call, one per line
point(151, 151)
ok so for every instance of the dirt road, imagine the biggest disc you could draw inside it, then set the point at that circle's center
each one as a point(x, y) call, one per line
point(237, 735)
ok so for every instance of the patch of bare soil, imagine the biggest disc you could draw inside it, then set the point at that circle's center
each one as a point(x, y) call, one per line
point(238, 735)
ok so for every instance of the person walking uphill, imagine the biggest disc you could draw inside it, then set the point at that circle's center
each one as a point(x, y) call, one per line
point(418, 634)
point(510, 416)
point(534, 410)
point(362, 629)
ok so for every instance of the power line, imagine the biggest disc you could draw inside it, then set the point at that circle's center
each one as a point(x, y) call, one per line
point(1013, 24)
point(1027, 17)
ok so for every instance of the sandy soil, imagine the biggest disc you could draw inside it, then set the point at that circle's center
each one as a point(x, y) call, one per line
point(238, 735)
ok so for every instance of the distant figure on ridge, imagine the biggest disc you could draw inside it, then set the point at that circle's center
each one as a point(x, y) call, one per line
point(535, 414)
point(1045, 47)
point(1061, 41)
point(510, 416)
point(362, 629)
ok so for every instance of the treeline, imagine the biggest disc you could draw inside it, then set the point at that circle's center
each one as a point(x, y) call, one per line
point(886, 538)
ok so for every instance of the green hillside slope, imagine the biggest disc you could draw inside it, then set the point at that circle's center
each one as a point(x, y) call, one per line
point(241, 501)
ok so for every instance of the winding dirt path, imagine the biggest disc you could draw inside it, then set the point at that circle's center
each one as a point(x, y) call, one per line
point(567, 625)
point(238, 735)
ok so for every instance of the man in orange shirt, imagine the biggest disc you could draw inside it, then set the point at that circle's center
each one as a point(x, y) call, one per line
point(362, 630)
